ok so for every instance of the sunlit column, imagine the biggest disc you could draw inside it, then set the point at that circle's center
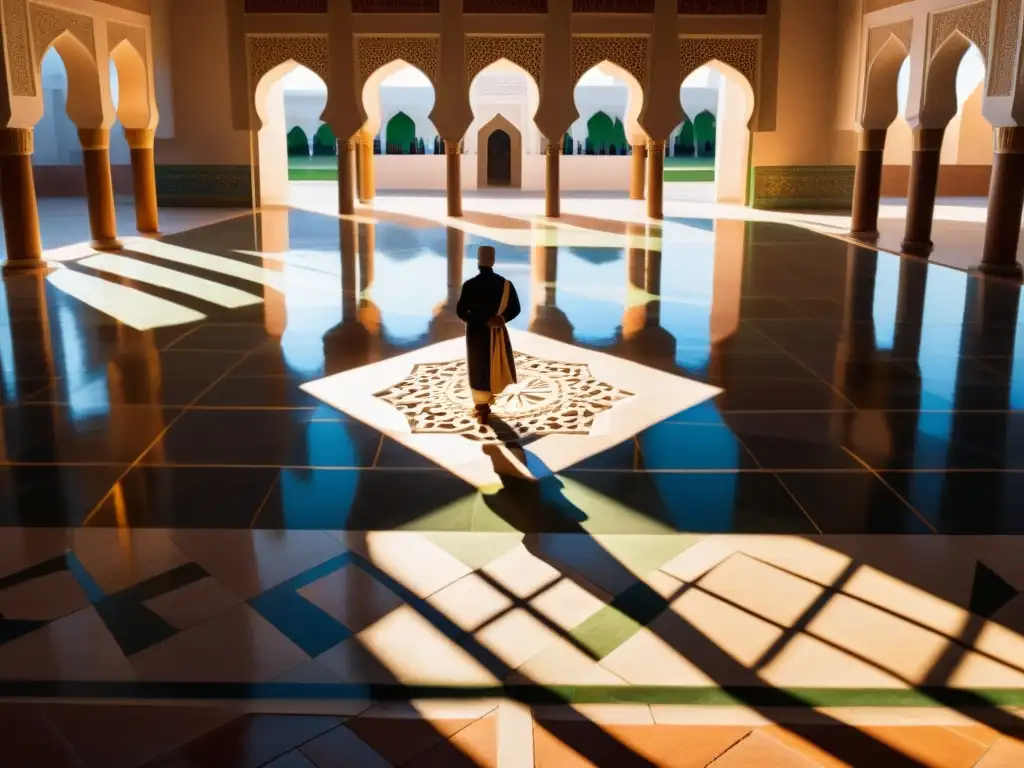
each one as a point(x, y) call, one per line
point(456, 244)
point(655, 178)
point(453, 166)
point(140, 142)
point(1005, 203)
point(349, 270)
point(367, 180)
point(867, 184)
point(99, 188)
point(346, 180)
point(552, 191)
point(924, 181)
point(18, 201)
point(367, 249)
point(652, 276)
point(636, 172)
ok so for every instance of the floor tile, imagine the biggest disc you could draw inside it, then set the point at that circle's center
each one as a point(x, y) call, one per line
point(43, 599)
point(239, 645)
point(410, 559)
point(30, 738)
point(257, 392)
point(964, 502)
point(223, 338)
point(792, 440)
point(193, 497)
point(193, 603)
point(761, 750)
point(22, 548)
point(475, 746)
point(339, 748)
point(353, 597)
point(399, 741)
point(118, 558)
point(52, 495)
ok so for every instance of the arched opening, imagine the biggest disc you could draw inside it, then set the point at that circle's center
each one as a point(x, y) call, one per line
point(289, 101)
point(504, 97)
point(966, 154)
point(608, 100)
point(70, 95)
point(499, 159)
point(398, 99)
point(710, 150)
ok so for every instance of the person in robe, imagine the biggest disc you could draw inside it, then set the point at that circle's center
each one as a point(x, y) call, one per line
point(488, 301)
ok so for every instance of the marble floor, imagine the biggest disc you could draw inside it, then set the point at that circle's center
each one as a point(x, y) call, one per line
point(755, 499)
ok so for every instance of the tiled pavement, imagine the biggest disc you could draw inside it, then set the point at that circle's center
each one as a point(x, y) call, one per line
point(790, 486)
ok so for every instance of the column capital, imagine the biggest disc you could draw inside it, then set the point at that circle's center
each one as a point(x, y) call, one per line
point(928, 139)
point(872, 140)
point(656, 146)
point(452, 147)
point(1009, 141)
point(94, 138)
point(553, 148)
point(139, 138)
point(347, 144)
point(16, 141)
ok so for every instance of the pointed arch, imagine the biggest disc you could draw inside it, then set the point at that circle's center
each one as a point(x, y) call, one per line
point(85, 101)
point(375, 119)
point(881, 97)
point(526, 128)
point(134, 103)
point(499, 123)
point(939, 101)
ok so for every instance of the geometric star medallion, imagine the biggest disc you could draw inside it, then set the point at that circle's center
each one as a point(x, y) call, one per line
point(557, 415)
point(550, 397)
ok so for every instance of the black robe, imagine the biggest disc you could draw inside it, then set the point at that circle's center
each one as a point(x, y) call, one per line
point(479, 301)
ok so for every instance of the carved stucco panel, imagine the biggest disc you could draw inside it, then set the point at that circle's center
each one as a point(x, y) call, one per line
point(878, 36)
point(376, 51)
point(740, 53)
point(630, 53)
point(268, 51)
point(19, 56)
point(118, 33)
point(971, 20)
point(484, 50)
point(1003, 68)
point(49, 23)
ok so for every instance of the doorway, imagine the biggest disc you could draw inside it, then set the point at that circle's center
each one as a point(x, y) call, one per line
point(499, 159)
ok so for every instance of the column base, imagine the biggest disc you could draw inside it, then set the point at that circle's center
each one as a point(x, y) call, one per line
point(109, 244)
point(150, 235)
point(867, 234)
point(1013, 271)
point(15, 267)
point(914, 248)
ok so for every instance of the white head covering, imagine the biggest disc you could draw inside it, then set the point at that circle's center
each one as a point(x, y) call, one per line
point(485, 255)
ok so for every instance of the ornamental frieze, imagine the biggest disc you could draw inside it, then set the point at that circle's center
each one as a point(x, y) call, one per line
point(395, 6)
point(504, 6)
point(722, 7)
point(286, 6)
point(613, 6)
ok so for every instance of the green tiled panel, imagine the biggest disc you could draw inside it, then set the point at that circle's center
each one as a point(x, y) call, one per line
point(226, 186)
point(803, 187)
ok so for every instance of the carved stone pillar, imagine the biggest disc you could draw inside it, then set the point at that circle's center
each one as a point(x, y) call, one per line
point(1005, 203)
point(924, 181)
point(346, 180)
point(367, 181)
point(99, 188)
point(552, 189)
point(453, 166)
point(140, 142)
point(655, 179)
point(636, 172)
point(867, 184)
point(18, 201)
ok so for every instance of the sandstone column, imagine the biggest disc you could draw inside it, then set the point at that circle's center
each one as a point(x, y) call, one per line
point(18, 201)
point(140, 141)
point(655, 178)
point(552, 189)
point(867, 184)
point(453, 164)
point(346, 182)
point(636, 172)
point(367, 182)
point(99, 188)
point(924, 181)
point(1005, 202)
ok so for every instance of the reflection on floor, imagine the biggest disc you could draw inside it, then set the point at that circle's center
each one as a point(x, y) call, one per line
point(753, 471)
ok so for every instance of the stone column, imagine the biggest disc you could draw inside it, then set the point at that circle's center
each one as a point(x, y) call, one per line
point(453, 164)
point(18, 201)
point(924, 181)
point(655, 178)
point(552, 188)
point(99, 188)
point(346, 182)
point(1005, 203)
point(367, 252)
point(636, 172)
point(867, 184)
point(367, 182)
point(140, 142)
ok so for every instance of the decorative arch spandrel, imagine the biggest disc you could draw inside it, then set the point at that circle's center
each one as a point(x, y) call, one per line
point(971, 21)
point(118, 32)
point(50, 23)
point(741, 53)
point(628, 52)
point(522, 50)
point(879, 36)
point(19, 53)
point(376, 51)
point(1003, 69)
point(268, 51)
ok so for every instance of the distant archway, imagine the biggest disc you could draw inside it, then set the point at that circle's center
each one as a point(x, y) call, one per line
point(496, 152)
point(400, 135)
point(297, 142)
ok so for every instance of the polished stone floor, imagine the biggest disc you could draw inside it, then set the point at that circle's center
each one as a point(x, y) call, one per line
point(747, 468)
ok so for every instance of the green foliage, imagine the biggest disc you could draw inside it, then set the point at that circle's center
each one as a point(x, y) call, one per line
point(619, 137)
point(298, 143)
point(567, 144)
point(400, 134)
point(324, 142)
